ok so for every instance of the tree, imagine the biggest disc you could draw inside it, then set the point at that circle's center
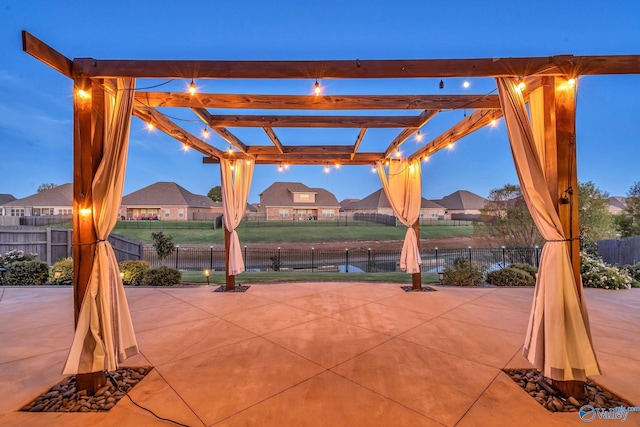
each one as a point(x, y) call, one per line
point(163, 244)
point(596, 222)
point(46, 186)
point(215, 193)
point(507, 220)
point(628, 223)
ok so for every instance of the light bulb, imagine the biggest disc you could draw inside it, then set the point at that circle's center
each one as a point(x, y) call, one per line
point(327, 169)
point(425, 159)
point(317, 89)
point(205, 133)
point(398, 152)
point(150, 126)
point(521, 86)
point(83, 94)
point(230, 150)
point(441, 84)
point(337, 165)
point(571, 82)
point(466, 84)
point(280, 168)
point(493, 123)
point(286, 166)
point(192, 88)
point(419, 136)
point(450, 146)
point(374, 169)
point(185, 147)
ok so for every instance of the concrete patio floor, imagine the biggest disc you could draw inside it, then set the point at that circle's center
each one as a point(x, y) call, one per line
point(314, 354)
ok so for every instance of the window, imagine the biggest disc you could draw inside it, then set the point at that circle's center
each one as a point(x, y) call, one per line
point(304, 197)
point(328, 212)
point(284, 213)
point(167, 212)
point(17, 211)
point(434, 214)
point(64, 211)
point(181, 213)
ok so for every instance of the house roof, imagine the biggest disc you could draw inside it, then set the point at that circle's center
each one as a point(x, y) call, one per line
point(618, 202)
point(6, 198)
point(281, 194)
point(344, 204)
point(61, 195)
point(167, 194)
point(378, 199)
point(462, 200)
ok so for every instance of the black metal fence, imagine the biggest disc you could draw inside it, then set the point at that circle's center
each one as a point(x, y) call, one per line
point(346, 261)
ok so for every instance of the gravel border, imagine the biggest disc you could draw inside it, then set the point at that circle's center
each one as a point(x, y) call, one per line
point(63, 397)
point(595, 395)
point(423, 289)
point(237, 288)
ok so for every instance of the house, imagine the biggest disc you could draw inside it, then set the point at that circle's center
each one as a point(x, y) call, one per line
point(168, 201)
point(54, 201)
point(5, 198)
point(462, 204)
point(378, 203)
point(296, 201)
point(617, 204)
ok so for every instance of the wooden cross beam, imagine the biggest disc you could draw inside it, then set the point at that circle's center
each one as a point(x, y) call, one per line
point(223, 132)
point(282, 121)
point(358, 141)
point(406, 133)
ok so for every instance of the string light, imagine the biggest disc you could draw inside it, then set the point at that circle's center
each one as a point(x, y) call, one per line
point(521, 86)
point(205, 133)
point(374, 169)
point(280, 168)
point(450, 146)
point(185, 147)
point(286, 166)
point(466, 84)
point(85, 211)
point(192, 88)
point(150, 126)
point(411, 168)
point(317, 89)
point(232, 166)
point(230, 150)
point(419, 136)
point(571, 82)
point(337, 165)
point(426, 158)
point(441, 84)
point(327, 169)
point(83, 94)
point(493, 123)
point(398, 152)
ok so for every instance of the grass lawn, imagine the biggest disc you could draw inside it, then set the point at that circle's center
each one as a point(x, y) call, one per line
point(218, 278)
point(295, 234)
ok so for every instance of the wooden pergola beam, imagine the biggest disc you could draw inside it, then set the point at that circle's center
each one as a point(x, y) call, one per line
point(282, 121)
point(46, 54)
point(255, 150)
point(274, 138)
point(205, 116)
point(461, 129)
point(360, 69)
point(308, 159)
point(311, 102)
point(406, 133)
point(358, 142)
point(161, 122)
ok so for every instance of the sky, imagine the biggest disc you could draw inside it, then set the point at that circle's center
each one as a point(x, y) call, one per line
point(36, 101)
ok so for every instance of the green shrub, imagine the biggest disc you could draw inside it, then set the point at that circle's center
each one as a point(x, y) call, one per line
point(463, 273)
point(162, 276)
point(62, 272)
point(26, 273)
point(597, 274)
point(16, 256)
point(510, 276)
point(634, 272)
point(163, 244)
point(133, 272)
point(527, 268)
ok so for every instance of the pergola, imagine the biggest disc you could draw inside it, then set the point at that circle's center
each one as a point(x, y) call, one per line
point(551, 78)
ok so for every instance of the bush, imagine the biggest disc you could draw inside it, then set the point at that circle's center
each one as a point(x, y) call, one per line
point(510, 276)
point(162, 276)
point(463, 273)
point(16, 256)
point(163, 245)
point(133, 272)
point(634, 272)
point(63, 269)
point(597, 274)
point(26, 273)
point(527, 268)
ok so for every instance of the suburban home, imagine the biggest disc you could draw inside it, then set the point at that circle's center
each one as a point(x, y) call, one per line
point(617, 204)
point(378, 203)
point(296, 201)
point(168, 201)
point(462, 204)
point(54, 201)
point(5, 198)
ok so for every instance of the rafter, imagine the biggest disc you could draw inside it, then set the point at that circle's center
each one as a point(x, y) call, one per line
point(274, 138)
point(161, 122)
point(310, 159)
point(406, 133)
point(224, 133)
point(358, 141)
point(311, 121)
point(461, 129)
point(255, 150)
point(46, 54)
point(310, 102)
point(357, 69)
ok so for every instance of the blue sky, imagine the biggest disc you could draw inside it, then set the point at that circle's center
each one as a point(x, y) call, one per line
point(36, 105)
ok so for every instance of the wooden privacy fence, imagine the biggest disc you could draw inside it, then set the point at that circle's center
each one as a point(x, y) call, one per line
point(623, 251)
point(53, 244)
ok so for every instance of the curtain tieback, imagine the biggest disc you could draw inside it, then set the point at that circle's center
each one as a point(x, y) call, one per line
point(563, 240)
point(90, 243)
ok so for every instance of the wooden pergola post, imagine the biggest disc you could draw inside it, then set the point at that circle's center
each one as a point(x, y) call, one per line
point(416, 278)
point(88, 142)
point(230, 280)
point(562, 178)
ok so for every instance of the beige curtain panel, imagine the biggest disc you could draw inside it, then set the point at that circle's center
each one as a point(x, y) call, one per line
point(236, 181)
point(558, 340)
point(104, 334)
point(403, 189)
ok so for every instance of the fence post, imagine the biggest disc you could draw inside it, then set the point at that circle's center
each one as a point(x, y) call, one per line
point(469, 253)
point(210, 258)
point(312, 253)
point(245, 256)
point(537, 256)
point(177, 253)
point(48, 239)
point(346, 258)
point(369, 260)
point(69, 243)
point(437, 263)
point(504, 261)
